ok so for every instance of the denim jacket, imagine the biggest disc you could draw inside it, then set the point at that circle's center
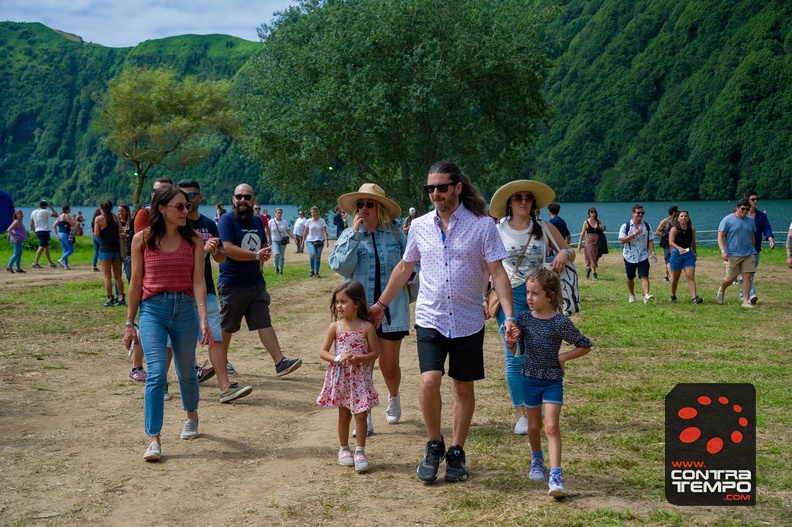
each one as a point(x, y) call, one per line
point(353, 258)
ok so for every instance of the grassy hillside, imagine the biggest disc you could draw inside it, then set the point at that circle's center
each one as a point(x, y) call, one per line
point(48, 80)
point(652, 99)
point(669, 99)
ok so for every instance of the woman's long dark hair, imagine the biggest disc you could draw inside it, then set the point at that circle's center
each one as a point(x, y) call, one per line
point(163, 196)
point(469, 196)
point(106, 208)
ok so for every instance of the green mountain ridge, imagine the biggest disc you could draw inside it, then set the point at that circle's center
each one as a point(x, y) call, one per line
point(48, 82)
point(653, 100)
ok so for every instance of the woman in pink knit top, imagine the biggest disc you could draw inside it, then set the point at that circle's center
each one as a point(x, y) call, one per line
point(169, 288)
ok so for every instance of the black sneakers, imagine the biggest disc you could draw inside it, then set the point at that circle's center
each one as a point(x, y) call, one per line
point(456, 470)
point(430, 464)
point(286, 366)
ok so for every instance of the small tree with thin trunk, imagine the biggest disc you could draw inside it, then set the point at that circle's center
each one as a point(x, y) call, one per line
point(152, 118)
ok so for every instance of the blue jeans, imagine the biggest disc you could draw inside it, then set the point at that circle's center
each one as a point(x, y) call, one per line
point(67, 246)
point(16, 258)
point(168, 315)
point(514, 378)
point(315, 254)
point(96, 252)
point(278, 255)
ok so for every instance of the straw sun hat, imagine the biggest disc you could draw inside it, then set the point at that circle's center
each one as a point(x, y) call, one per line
point(348, 202)
point(542, 195)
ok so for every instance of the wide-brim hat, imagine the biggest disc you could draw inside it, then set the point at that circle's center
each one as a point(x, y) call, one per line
point(348, 202)
point(542, 194)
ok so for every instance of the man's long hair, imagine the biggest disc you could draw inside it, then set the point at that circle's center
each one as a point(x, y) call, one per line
point(473, 201)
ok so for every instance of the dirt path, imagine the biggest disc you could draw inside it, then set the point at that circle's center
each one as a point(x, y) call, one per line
point(72, 441)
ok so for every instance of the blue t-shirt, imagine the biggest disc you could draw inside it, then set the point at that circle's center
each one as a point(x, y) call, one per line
point(247, 236)
point(561, 225)
point(739, 235)
point(207, 229)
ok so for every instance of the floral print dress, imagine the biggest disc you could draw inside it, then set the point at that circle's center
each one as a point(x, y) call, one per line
point(349, 386)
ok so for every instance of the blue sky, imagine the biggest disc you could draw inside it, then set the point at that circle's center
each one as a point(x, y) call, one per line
point(119, 23)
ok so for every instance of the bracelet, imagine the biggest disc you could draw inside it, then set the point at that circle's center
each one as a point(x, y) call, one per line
point(509, 319)
point(337, 359)
point(130, 324)
point(383, 306)
point(569, 253)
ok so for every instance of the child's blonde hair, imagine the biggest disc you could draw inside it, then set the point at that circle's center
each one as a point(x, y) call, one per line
point(551, 285)
point(355, 291)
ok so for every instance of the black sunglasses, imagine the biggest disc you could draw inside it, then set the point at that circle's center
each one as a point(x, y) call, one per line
point(442, 187)
point(180, 206)
point(245, 197)
point(745, 209)
point(256, 208)
point(368, 204)
point(639, 212)
point(520, 197)
point(191, 195)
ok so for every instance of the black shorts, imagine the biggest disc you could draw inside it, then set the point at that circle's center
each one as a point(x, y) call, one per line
point(642, 267)
point(252, 302)
point(465, 354)
point(393, 335)
point(43, 238)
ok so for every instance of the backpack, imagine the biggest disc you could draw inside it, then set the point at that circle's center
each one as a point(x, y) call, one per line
point(664, 235)
point(647, 228)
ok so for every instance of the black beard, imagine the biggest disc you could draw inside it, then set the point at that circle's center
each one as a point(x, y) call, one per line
point(243, 216)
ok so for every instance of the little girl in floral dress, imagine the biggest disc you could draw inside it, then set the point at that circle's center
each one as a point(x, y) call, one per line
point(350, 347)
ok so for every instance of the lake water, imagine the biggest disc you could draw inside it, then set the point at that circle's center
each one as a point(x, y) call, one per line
point(705, 215)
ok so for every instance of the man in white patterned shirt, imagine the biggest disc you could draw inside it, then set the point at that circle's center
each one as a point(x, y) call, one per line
point(458, 247)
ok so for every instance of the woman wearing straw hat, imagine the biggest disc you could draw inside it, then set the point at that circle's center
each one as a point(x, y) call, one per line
point(368, 253)
point(519, 203)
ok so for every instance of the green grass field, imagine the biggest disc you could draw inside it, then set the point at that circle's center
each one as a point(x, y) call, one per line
point(612, 421)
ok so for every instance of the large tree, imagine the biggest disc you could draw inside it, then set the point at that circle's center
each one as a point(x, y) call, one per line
point(152, 118)
point(347, 91)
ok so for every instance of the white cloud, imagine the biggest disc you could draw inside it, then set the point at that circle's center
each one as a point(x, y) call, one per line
point(116, 23)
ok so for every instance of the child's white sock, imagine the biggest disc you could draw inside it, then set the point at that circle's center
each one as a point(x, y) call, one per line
point(360, 449)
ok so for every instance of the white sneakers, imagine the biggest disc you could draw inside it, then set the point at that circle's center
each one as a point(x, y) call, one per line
point(647, 298)
point(521, 428)
point(393, 413)
point(190, 430)
point(153, 452)
point(720, 295)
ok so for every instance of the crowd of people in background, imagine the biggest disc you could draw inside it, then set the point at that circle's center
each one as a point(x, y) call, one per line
point(457, 253)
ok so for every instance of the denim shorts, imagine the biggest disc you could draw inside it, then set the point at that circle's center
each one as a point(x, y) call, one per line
point(539, 391)
point(680, 261)
point(110, 255)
